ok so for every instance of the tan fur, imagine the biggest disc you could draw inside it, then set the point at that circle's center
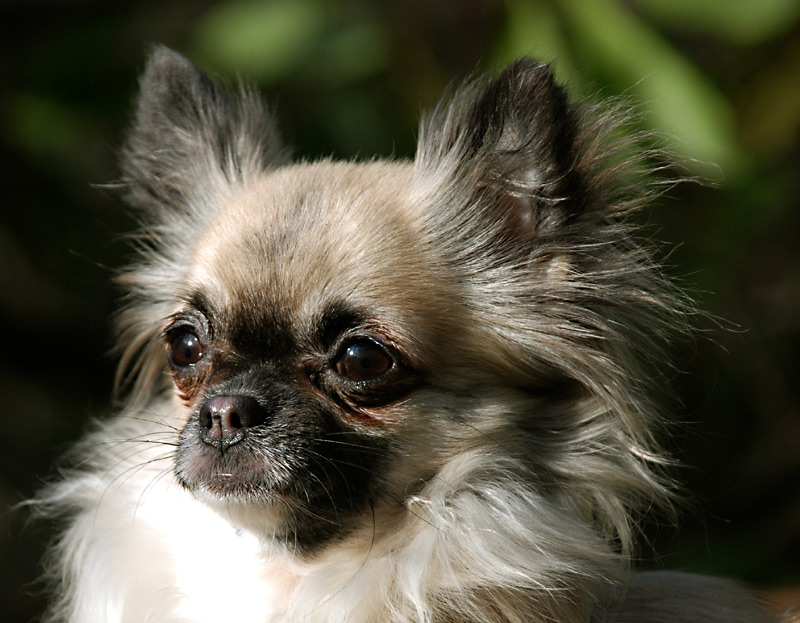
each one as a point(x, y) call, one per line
point(407, 392)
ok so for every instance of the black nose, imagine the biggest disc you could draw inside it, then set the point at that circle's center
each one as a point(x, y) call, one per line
point(223, 419)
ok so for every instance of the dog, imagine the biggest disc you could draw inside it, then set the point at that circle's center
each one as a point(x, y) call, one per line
point(392, 391)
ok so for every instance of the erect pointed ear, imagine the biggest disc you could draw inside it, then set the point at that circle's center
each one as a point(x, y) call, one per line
point(502, 153)
point(190, 137)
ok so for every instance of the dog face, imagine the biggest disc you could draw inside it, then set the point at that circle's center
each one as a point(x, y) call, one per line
point(338, 334)
point(391, 391)
point(304, 347)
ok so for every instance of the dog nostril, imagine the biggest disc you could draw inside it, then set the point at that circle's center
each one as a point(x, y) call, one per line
point(235, 421)
point(223, 419)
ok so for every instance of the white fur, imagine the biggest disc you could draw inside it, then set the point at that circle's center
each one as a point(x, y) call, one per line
point(514, 476)
point(143, 550)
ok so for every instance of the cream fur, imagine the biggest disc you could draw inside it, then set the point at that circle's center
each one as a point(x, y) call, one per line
point(504, 482)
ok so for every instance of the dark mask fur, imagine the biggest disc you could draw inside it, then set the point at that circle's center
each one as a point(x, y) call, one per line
point(424, 388)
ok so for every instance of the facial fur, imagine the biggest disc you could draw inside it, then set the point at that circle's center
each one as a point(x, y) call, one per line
point(423, 389)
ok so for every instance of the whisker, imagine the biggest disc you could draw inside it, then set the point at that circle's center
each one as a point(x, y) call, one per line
point(150, 486)
point(328, 492)
point(158, 419)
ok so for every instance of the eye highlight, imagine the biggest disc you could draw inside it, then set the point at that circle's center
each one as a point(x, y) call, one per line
point(189, 346)
point(184, 348)
point(364, 360)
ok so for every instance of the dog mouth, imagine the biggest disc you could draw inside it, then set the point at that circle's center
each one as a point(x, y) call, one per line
point(294, 484)
point(234, 448)
point(240, 469)
point(223, 453)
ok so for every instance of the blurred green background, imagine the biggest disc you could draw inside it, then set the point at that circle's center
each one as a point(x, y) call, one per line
point(349, 79)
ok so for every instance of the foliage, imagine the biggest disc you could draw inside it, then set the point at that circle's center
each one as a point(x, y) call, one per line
point(720, 79)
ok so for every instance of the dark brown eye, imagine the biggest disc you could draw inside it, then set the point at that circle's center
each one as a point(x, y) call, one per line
point(364, 361)
point(185, 349)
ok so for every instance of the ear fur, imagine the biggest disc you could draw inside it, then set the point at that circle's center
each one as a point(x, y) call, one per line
point(191, 142)
point(191, 138)
point(511, 143)
point(527, 199)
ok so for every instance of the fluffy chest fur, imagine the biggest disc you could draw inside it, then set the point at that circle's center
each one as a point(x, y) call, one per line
point(394, 391)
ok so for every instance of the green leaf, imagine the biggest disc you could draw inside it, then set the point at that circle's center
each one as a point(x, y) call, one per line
point(745, 22)
point(264, 40)
point(675, 96)
point(358, 50)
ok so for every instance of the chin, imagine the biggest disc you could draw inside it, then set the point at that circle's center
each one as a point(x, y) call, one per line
point(407, 391)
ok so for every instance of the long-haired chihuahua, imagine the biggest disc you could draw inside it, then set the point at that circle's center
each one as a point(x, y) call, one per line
point(384, 392)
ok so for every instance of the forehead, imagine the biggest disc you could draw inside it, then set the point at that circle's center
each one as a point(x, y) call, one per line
point(316, 235)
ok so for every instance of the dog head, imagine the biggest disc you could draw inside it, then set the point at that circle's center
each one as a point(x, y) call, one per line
point(340, 335)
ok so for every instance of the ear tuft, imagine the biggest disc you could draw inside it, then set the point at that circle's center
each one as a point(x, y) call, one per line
point(173, 91)
point(510, 142)
point(190, 137)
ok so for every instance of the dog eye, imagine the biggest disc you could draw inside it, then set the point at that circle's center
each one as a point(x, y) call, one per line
point(185, 349)
point(364, 361)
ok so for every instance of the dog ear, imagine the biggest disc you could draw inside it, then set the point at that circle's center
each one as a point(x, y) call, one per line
point(502, 153)
point(191, 138)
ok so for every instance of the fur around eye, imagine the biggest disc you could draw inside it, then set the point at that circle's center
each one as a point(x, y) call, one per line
point(412, 391)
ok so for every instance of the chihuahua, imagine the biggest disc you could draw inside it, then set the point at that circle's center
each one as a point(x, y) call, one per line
point(394, 391)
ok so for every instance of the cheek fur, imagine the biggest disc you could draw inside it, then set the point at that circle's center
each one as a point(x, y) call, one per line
point(303, 460)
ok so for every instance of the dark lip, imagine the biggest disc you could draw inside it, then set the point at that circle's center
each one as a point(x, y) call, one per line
point(228, 486)
point(231, 472)
point(221, 488)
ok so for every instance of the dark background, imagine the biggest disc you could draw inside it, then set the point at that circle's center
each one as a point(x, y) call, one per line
point(721, 78)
